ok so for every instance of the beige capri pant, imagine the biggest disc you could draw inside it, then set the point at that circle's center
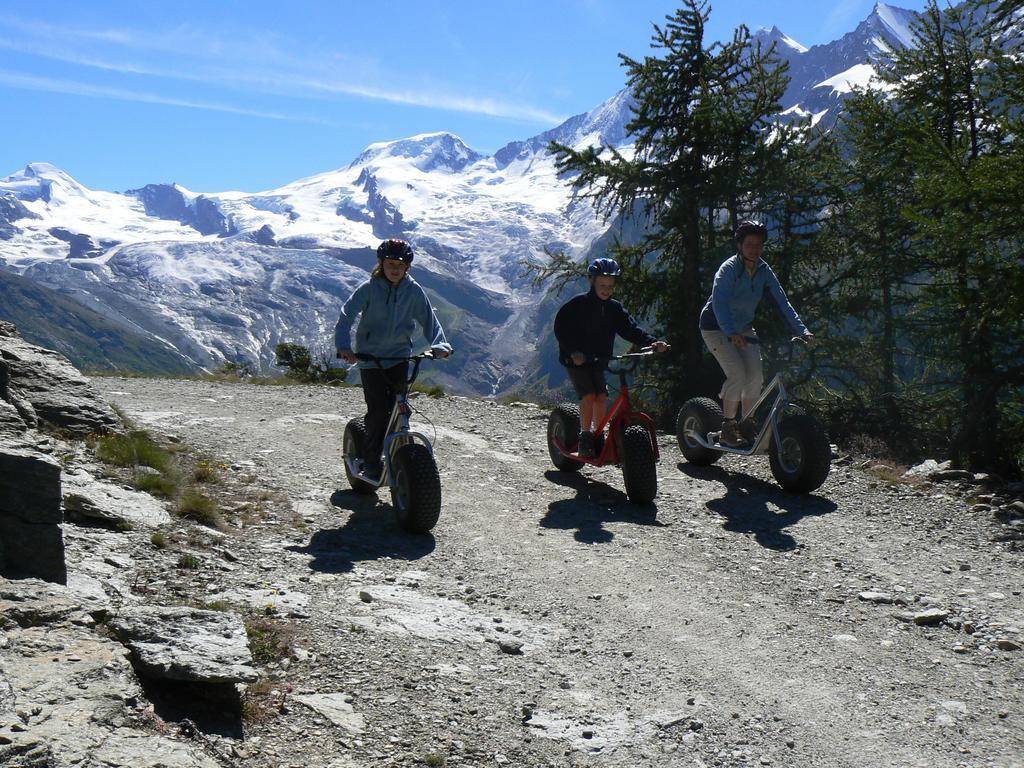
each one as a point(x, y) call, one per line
point(744, 375)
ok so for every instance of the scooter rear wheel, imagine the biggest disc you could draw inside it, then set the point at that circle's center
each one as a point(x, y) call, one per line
point(802, 457)
point(700, 415)
point(564, 426)
point(354, 440)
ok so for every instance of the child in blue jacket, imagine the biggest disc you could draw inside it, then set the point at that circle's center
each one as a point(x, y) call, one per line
point(388, 304)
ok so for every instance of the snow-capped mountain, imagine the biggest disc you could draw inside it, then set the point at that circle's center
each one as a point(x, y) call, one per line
point(822, 76)
point(225, 276)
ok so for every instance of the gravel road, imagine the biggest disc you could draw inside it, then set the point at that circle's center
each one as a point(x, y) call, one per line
point(549, 622)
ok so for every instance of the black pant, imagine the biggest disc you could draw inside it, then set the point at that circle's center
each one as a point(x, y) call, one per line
point(380, 388)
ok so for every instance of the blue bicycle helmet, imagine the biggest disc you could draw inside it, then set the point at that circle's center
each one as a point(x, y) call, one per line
point(608, 267)
point(395, 249)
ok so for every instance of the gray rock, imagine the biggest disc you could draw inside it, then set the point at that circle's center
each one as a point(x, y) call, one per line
point(180, 643)
point(31, 543)
point(946, 475)
point(58, 394)
point(876, 597)
point(926, 467)
point(335, 708)
point(87, 499)
point(931, 616)
point(73, 692)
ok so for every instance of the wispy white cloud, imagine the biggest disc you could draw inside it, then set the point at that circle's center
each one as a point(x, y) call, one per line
point(52, 85)
point(255, 64)
point(842, 15)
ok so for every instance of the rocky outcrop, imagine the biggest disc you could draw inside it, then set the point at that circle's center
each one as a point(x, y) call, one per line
point(43, 386)
point(93, 502)
point(188, 644)
point(31, 542)
point(68, 695)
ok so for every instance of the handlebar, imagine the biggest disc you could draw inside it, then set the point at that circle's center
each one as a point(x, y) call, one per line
point(605, 362)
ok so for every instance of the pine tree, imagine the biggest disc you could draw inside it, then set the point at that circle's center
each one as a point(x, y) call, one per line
point(704, 141)
point(949, 94)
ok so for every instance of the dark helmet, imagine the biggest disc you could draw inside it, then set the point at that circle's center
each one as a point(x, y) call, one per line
point(750, 227)
point(395, 249)
point(608, 267)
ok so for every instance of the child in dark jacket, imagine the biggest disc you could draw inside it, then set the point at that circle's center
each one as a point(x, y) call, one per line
point(586, 327)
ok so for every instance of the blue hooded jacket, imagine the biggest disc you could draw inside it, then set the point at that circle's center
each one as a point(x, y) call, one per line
point(736, 294)
point(387, 313)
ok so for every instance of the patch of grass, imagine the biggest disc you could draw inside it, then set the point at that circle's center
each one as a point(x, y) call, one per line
point(164, 485)
point(188, 561)
point(269, 640)
point(435, 760)
point(223, 606)
point(197, 506)
point(159, 540)
point(260, 701)
point(357, 628)
point(431, 390)
point(205, 472)
point(134, 449)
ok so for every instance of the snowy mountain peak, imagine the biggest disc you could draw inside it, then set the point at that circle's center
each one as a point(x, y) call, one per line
point(427, 151)
point(892, 23)
point(775, 35)
point(44, 181)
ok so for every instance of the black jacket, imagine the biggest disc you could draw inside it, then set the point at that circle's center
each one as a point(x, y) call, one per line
point(588, 325)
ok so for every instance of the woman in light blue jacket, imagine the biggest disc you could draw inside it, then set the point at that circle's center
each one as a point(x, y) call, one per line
point(726, 323)
point(388, 305)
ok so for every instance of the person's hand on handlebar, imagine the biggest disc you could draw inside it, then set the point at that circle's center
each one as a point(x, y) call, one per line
point(738, 340)
point(347, 355)
point(810, 340)
point(578, 358)
point(439, 352)
point(661, 346)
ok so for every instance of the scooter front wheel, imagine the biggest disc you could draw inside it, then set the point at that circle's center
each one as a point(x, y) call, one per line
point(416, 488)
point(639, 467)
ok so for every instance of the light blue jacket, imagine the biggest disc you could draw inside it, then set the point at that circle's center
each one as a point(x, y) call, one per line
point(387, 315)
point(736, 294)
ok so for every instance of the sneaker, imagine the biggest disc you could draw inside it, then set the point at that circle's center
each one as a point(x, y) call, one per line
point(372, 471)
point(748, 430)
point(730, 435)
point(586, 445)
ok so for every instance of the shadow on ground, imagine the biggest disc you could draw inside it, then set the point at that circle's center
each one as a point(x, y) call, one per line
point(370, 533)
point(745, 505)
point(596, 503)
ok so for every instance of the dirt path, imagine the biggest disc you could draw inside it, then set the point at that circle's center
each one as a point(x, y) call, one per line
point(547, 621)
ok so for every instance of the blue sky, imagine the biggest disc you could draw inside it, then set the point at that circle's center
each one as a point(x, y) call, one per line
point(249, 95)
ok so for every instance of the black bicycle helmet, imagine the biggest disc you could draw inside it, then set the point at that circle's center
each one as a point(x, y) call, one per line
point(750, 227)
point(608, 267)
point(395, 249)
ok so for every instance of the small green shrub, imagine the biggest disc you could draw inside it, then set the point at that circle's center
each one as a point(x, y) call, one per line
point(188, 561)
point(165, 484)
point(435, 760)
point(223, 606)
point(197, 506)
point(133, 449)
point(159, 540)
point(431, 390)
point(205, 472)
point(269, 640)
